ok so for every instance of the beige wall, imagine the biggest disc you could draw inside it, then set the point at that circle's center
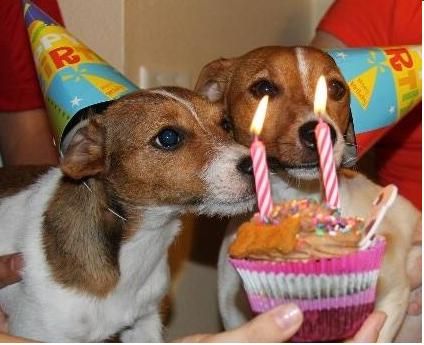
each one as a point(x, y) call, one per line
point(100, 25)
point(183, 35)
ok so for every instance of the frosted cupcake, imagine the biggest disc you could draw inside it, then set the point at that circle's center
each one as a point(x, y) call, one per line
point(310, 255)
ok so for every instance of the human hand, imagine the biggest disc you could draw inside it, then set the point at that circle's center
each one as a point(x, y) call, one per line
point(277, 325)
point(10, 266)
point(414, 271)
point(370, 329)
point(280, 324)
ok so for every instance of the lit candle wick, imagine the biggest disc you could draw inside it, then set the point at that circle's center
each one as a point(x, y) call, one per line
point(260, 168)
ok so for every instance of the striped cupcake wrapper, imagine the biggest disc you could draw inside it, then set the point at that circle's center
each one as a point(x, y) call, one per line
point(260, 303)
point(301, 286)
point(327, 319)
point(336, 295)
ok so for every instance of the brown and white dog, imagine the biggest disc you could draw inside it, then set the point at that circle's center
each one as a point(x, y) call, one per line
point(94, 233)
point(289, 76)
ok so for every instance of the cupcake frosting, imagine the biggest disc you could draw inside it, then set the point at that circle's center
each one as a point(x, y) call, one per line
point(299, 229)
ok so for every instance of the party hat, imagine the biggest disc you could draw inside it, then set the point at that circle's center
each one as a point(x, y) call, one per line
point(385, 84)
point(73, 78)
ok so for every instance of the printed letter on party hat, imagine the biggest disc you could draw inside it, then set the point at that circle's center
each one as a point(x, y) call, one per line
point(385, 84)
point(72, 77)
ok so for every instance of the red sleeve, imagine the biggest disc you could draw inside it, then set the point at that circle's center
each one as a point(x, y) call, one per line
point(361, 23)
point(19, 89)
point(51, 7)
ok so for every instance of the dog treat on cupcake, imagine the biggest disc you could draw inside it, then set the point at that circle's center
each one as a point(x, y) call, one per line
point(300, 229)
point(310, 255)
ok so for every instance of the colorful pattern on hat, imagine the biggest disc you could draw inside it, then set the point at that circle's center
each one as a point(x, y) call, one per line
point(72, 77)
point(385, 84)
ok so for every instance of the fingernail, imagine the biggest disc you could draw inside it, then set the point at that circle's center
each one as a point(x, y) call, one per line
point(17, 263)
point(289, 316)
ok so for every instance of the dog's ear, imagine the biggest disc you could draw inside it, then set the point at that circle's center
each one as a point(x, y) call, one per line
point(213, 79)
point(84, 155)
point(350, 154)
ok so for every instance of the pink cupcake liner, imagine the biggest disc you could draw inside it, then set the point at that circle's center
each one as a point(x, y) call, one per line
point(260, 304)
point(360, 261)
point(301, 286)
point(340, 291)
point(332, 324)
point(328, 319)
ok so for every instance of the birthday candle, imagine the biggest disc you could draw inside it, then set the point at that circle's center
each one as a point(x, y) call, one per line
point(260, 168)
point(325, 147)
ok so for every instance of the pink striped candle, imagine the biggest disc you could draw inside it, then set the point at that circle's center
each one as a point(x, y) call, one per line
point(260, 167)
point(325, 147)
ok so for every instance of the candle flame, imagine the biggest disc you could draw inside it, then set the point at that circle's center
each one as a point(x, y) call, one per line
point(259, 117)
point(320, 100)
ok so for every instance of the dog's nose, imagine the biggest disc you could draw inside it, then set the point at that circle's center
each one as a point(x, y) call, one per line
point(245, 166)
point(307, 134)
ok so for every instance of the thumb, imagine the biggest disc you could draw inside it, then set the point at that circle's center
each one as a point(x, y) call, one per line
point(10, 266)
point(276, 325)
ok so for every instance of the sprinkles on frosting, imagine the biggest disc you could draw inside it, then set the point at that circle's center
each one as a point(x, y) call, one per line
point(325, 219)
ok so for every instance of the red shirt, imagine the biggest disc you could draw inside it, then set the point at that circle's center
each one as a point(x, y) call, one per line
point(363, 23)
point(19, 88)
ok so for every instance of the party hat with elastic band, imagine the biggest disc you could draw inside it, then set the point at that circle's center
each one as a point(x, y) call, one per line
point(385, 84)
point(73, 78)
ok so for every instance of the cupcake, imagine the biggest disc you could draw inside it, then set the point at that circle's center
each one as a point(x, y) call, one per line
point(310, 255)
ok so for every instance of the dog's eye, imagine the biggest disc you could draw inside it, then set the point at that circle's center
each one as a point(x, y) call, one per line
point(264, 87)
point(168, 139)
point(336, 89)
point(227, 124)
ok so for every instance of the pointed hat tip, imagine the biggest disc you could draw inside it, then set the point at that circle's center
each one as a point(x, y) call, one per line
point(32, 12)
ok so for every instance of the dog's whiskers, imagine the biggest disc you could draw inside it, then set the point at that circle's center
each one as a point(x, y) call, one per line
point(351, 144)
point(107, 207)
point(347, 143)
point(350, 160)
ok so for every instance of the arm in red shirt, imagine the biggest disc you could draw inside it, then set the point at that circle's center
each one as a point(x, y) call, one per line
point(364, 23)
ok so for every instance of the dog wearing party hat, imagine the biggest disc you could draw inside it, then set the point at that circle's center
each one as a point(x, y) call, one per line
point(95, 231)
point(288, 76)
